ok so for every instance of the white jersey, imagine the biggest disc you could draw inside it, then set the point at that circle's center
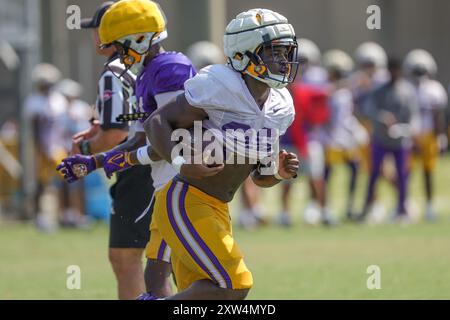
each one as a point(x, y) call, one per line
point(222, 93)
point(344, 131)
point(51, 112)
point(431, 96)
point(162, 171)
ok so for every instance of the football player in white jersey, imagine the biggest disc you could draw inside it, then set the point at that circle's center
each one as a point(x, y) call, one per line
point(344, 133)
point(421, 67)
point(191, 211)
point(202, 54)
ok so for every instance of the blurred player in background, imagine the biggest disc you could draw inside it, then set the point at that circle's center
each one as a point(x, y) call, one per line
point(77, 118)
point(421, 67)
point(307, 133)
point(394, 114)
point(371, 73)
point(204, 53)
point(345, 134)
point(45, 110)
point(160, 78)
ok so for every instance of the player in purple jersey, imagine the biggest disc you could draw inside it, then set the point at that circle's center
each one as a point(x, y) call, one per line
point(160, 77)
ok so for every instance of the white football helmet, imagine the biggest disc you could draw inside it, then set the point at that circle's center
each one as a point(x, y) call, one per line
point(339, 61)
point(419, 62)
point(308, 52)
point(204, 53)
point(371, 53)
point(45, 74)
point(247, 38)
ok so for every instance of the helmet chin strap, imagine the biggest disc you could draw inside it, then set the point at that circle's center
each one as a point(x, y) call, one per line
point(136, 68)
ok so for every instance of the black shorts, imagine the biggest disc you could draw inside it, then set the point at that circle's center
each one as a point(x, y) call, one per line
point(131, 195)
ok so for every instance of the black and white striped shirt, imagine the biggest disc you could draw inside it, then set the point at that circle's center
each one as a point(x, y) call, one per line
point(113, 96)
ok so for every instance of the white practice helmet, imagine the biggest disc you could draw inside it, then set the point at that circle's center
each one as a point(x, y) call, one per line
point(308, 51)
point(419, 62)
point(371, 53)
point(45, 74)
point(339, 61)
point(70, 88)
point(249, 34)
point(204, 53)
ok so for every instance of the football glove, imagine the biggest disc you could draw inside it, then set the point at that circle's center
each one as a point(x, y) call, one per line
point(116, 161)
point(76, 167)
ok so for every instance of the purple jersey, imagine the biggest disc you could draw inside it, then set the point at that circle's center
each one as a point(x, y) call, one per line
point(165, 73)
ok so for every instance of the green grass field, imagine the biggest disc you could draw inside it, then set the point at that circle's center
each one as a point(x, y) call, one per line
point(302, 262)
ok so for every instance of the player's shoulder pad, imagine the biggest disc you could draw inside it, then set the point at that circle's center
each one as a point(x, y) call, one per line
point(282, 108)
point(212, 86)
point(436, 92)
point(169, 71)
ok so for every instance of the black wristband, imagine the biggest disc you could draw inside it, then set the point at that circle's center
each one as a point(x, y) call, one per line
point(85, 147)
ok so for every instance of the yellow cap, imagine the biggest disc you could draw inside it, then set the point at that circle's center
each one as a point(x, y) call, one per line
point(128, 17)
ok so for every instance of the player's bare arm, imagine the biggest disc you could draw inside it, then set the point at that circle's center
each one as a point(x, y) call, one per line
point(288, 168)
point(106, 139)
point(160, 125)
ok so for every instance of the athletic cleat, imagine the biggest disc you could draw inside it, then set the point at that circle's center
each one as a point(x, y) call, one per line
point(376, 214)
point(350, 215)
point(311, 214)
point(430, 214)
point(147, 296)
point(328, 220)
point(402, 219)
point(284, 219)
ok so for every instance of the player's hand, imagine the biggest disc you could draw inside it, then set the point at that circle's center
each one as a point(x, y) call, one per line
point(76, 167)
point(75, 149)
point(116, 161)
point(388, 118)
point(200, 171)
point(87, 134)
point(288, 164)
point(83, 135)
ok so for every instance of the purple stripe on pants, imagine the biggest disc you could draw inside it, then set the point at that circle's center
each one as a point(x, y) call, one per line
point(161, 250)
point(200, 241)
point(401, 158)
point(180, 235)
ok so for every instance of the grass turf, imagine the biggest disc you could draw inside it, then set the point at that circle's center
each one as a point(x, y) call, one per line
point(297, 263)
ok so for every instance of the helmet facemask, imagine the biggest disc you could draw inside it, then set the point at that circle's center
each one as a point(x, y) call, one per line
point(274, 62)
point(132, 51)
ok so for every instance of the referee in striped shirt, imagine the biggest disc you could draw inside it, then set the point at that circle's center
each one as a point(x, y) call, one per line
point(128, 227)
